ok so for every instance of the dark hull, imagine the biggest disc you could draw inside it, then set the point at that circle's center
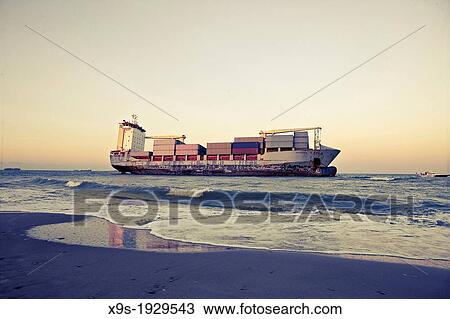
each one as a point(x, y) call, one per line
point(306, 172)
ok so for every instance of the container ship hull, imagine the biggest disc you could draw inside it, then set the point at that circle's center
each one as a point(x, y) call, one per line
point(267, 155)
point(241, 171)
point(307, 163)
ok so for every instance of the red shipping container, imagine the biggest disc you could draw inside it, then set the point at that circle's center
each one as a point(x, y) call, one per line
point(168, 158)
point(215, 151)
point(224, 157)
point(192, 157)
point(219, 145)
point(238, 157)
point(189, 146)
point(252, 157)
point(211, 157)
point(157, 158)
point(253, 151)
point(180, 157)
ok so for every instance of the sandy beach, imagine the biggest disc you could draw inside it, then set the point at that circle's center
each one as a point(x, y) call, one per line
point(31, 268)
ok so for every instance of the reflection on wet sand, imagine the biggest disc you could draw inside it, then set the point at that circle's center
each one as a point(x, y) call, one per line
point(102, 233)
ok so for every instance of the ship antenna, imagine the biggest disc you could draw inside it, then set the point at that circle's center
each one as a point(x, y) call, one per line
point(134, 118)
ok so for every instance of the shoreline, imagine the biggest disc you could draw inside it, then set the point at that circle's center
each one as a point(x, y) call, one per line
point(205, 246)
point(27, 270)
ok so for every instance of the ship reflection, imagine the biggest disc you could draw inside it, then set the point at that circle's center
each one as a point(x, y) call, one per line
point(141, 239)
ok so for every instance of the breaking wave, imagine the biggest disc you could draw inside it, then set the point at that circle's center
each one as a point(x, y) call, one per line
point(74, 184)
point(254, 200)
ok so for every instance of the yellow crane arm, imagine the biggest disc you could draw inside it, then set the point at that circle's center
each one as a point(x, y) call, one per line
point(167, 137)
point(288, 130)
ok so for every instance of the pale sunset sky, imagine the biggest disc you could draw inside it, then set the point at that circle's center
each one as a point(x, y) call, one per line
point(225, 69)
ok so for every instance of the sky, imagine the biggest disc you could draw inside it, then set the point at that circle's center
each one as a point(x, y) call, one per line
point(226, 69)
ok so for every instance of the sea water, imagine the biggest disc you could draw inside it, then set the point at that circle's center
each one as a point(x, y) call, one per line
point(394, 215)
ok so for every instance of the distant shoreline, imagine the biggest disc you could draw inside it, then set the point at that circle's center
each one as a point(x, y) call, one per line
point(81, 170)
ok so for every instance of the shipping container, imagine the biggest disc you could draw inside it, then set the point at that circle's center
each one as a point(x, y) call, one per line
point(252, 157)
point(157, 158)
point(218, 151)
point(189, 152)
point(218, 148)
point(211, 157)
point(164, 152)
point(224, 157)
point(238, 157)
point(189, 146)
point(301, 141)
point(219, 145)
point(253, 150)
point(280, 138)
point(301, 145)
point(301, 134)
point(180, 157)
point(190, 149)
point(259, 139)
point(192, 157)
point(245, 145)
point(279, 144)
point(163, 147)
point(167, 158)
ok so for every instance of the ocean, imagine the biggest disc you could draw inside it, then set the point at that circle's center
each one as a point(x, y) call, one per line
point(387, 215)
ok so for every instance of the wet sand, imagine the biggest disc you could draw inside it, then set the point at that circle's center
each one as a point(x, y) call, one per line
point(32, 268)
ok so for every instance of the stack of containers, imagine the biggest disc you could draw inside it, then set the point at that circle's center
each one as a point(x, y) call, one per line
point(218, 151)
point(258, 139)
point(280, 141)
point(301, 140)
point(165, 147)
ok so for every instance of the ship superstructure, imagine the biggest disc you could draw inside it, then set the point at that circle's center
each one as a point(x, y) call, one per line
point(283, 152)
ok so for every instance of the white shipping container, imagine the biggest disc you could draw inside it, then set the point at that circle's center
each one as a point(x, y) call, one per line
point(279, 138)
point(279, 144)
point(301, 134)
point(301, 145)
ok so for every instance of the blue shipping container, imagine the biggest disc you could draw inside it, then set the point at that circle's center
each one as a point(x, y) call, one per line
point(246, 145)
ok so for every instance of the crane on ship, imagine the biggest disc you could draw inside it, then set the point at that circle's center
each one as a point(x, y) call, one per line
point(167, 137)
point(161, 137)
point(317, 132)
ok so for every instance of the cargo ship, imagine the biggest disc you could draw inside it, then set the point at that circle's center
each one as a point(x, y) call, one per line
point(282, 152)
